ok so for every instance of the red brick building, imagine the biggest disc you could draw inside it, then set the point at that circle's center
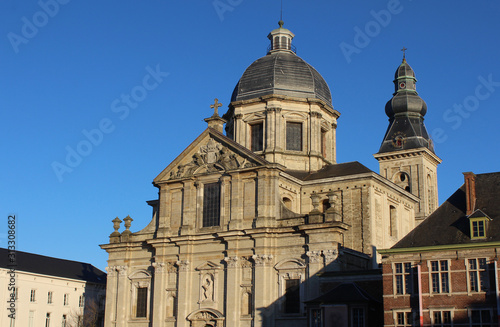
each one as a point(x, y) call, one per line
point(445, 271)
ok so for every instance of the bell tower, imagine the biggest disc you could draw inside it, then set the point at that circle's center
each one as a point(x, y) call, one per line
point(407, 155)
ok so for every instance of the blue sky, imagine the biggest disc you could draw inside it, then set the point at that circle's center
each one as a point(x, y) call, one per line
point(110, 92)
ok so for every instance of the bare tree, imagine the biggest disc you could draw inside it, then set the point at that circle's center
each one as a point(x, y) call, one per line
point(87, 316)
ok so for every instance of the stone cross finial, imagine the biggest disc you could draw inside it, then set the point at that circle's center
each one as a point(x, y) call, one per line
point(216, 106)
point(404, 52)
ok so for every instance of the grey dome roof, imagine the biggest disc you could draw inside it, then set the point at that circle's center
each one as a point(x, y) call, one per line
point(283, 73)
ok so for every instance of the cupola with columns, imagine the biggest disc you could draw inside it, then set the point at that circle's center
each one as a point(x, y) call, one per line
point(281, 109)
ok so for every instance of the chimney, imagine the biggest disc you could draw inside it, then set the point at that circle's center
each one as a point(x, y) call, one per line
point(470, 191)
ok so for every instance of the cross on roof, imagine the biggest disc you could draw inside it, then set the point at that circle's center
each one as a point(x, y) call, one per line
point(215, 106)
point(404, 52)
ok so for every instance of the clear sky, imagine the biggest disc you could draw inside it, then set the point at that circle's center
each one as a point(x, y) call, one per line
point(98, 97)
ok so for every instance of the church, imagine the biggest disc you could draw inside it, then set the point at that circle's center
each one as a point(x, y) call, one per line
point(257, 209)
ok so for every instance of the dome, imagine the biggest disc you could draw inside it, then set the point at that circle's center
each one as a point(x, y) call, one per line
point(404, 71)
point(281, 72)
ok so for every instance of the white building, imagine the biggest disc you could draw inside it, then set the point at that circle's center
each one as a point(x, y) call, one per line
point(49, 291)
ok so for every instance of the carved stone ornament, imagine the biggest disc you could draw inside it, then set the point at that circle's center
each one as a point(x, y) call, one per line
point(330, 255)
point(213, 157)
point(232, 262)
point(122, 270)
point(159, 266)
point(183, 265)
point(262, 259)
point(314, 256)
point(111, 270)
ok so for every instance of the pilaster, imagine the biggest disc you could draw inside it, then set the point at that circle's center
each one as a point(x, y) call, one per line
point(158, 312)
point(233, 290)
point(263, 272)
point(184, 299)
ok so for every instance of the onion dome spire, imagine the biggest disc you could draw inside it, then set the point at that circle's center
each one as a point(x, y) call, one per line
point(406, 111)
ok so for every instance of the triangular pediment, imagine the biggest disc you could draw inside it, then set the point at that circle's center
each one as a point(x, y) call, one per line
point(208, 266)
point(211, 152)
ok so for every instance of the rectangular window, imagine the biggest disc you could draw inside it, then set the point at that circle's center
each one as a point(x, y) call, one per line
point(358, 317)
point(66, 299)
point(257, 137)
point(47, 320)
point(404, 319)
point(294, 136)
point(440, 276)
point(49, 298)
point(442, 318)
point(64, 321)
point(292, 296)
point(403, 278)
point(478, 275)
point(480, 318)
point(81, 301)
point(478, 228)
point(211, 205)
point(142, 302)
point(33, 296)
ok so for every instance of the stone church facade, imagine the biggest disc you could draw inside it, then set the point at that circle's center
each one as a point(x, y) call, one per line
point(247, 221)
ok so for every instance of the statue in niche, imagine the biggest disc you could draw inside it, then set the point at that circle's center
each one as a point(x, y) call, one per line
point(207, 288)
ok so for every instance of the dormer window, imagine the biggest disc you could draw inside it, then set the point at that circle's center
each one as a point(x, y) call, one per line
point(478, 224)
point(478, 228)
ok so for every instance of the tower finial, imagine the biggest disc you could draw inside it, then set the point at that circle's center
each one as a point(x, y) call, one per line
point(404, 53)
point(281, 22)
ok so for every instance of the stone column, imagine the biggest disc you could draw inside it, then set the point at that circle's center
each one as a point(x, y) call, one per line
point(111, 297)
point(198, 220)
point(184, 298)
point(315, 264)
point(279, 144)
point(239, 129)
point(334, 143)
point(158, 304)
point(123, 297)
point(189, 208)
point(270, 141)
point(164, 214)
point(236, 202)
point(225, 197)
point(264, 290)
point(233, 291)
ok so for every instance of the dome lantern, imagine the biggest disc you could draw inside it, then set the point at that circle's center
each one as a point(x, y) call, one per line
point(281, 39)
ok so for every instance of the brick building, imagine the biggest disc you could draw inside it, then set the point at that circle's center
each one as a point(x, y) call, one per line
point(445, 271)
